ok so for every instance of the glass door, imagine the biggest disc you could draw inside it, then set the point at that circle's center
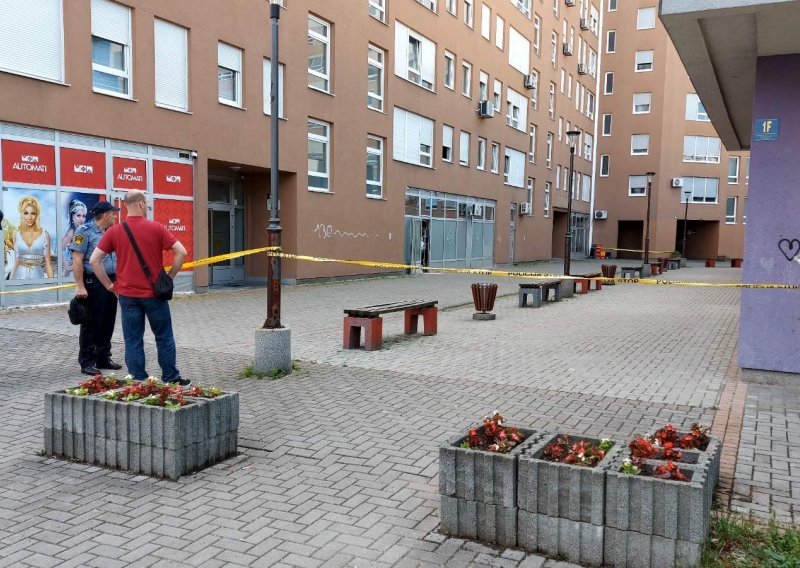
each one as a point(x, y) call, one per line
point(225, 230)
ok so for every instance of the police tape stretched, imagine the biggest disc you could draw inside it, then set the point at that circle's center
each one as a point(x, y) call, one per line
point(477, 271)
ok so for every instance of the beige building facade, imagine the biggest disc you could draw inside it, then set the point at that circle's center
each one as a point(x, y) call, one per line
point(651, 120)
point(420, 131)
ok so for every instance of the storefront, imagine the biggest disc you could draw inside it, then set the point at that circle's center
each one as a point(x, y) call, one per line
point(50, 181)
point(444, 230)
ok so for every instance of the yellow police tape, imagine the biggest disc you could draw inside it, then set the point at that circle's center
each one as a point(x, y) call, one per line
point(398, 266)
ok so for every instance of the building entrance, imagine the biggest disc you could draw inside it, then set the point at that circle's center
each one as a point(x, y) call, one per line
point(225, 230)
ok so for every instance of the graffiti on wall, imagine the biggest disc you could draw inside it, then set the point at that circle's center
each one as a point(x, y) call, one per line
point(329, 232)
point(790, 248)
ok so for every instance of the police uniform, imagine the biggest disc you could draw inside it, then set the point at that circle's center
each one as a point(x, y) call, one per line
point(95, 336)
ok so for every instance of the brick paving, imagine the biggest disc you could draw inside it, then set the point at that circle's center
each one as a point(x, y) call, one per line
point(338, 463)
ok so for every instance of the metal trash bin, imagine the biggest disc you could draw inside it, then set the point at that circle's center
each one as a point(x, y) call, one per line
point(483, 296)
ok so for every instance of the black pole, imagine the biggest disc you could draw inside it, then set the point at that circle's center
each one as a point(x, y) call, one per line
point(273, 320)
point(685, 223)
point(647, 224)
point(568, 238)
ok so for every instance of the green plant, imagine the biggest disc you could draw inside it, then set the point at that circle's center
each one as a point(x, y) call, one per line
point(737, 542)
point(250, 372)
point(630, 468)
point(676, 254)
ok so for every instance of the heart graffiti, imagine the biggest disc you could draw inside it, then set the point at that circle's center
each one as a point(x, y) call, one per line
point(789, 247)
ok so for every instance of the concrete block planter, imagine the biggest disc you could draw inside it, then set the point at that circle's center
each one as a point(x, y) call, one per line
point(133, 436)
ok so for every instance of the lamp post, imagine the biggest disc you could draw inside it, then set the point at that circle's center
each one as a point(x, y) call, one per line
point(273, 320)
point(572, 138)
point(686, 195)
point(650, 176)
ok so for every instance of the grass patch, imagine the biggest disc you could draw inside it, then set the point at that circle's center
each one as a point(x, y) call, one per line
point(742, 543)
point(250, 372)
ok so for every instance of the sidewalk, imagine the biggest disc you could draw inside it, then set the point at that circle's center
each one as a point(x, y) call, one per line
point(338, 463)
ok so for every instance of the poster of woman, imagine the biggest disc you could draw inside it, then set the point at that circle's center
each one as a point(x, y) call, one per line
point(75, 209)
point(31, 215)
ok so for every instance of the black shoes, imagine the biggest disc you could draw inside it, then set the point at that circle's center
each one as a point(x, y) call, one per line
point(109, 365)
point(90, 370)
point(181, 382)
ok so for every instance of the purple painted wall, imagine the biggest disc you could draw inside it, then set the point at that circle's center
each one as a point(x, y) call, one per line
point(769, 330)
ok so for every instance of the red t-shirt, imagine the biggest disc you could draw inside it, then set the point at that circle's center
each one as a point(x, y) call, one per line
point(152, 238)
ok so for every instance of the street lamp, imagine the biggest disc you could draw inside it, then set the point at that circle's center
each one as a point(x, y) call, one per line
point(273, 320)
point(650, 176)
point(572, 139)
point(686, 195)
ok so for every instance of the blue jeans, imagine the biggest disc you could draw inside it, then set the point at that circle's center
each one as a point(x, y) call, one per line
point(133, 312)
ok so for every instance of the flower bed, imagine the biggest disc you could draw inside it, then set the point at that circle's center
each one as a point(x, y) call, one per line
point(147, 427)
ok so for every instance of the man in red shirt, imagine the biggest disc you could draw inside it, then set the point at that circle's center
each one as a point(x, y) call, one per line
point(137, 300)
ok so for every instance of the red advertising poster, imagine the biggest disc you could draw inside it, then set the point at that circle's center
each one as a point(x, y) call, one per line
point(171, 178)
point(24, 162)
point(82, 168)
point(178, 218)
point(129, 173)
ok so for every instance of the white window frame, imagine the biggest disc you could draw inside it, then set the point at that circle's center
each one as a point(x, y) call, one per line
point(591, 101)
point(326, 41)
point(546, 201)
point(531, 188)
point(640, 150)
point(558, 176)
point(605, 165)
point(532, 143)
point(554, 49)
point(171, 65)
point(500, 33)
point(611, 44)
point(486, 22)
point(612, 5)
point(450, 69)
point(523, 6)
point(483, 86)
point(429, 4)
point(466, 78)
point(588, 146)
point(549, 151)
point(452, 7)
point(731, 219)
point(447, 143)
point(34, 28)
point(693, 106)
point(646, 18)
point(535, 90)
point(603, 130)
point(381, 66)
point(481, 165)
point(419, 151)
point(469, 13)
point(497, 96)
point(376, 152)
point(733, 179)
point(537, 33)
point(703, 152)
point(237, 77)
point(642, 107)
point(551, 101)
point(126, 44)
point(690, 183)
point(377, 9)
point(325, 140)
point(495, 164)
point(637, 186)
point(463, 148)
point(268, 88)
point(606, 90)
point(641, 58)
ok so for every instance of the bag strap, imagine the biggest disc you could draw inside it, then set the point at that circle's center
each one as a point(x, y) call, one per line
point(145, 268)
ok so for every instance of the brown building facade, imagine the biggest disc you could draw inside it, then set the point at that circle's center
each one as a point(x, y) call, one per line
point(651, 120)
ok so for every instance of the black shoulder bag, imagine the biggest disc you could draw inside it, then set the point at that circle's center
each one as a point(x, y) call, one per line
point(163, 285)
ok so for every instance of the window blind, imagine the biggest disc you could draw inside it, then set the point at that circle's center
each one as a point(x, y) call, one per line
point(516, 167)
point(172, 65)
point(31, 39)
point(268, 88)
point(519, 51)
point(229, 57)
point(111, 21)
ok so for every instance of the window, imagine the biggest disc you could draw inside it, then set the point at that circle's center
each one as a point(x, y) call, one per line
point(319, 54)
point(537, 33)
point(519, 51)
point(229, 74)
point(171, 66)
point(374, 166)
point(523, 6)
point(429, 4)
point(111, 48)
point(549, 155)
point(531, 192)
point(563, 80)
point(415, 57)
point(555, 7)
point(644, 61)
point(318, 155)
point(558, 176)
point(646, 18)
point(486, 22)
point(605, 165)
point(495, 157)
point(554, 49)
point(535, 90)
point(447, 143)
point(590, 104)
point(375, 59)
point(730, 210)
point(268, 88)
point(592, 62)
point(532, 144)
point(547, 186)
point(377, 9)
point(560, 127)
point(744, 212)
point(733, 170)
point(608, 85)
point(640, 144)
point(587, 188)
point(35, 30)
point(463, 149)
point(611, 41)
point(517, 110)
point(701, 190)
point(694, 109)
point(514, 168)
point(412, 140)
point(569, 87)
point(449, 70)
point(551, 101)
point(612, 5)
point(452, 6)
point(637, 186)
point(498, 94)
point(481, 154)
point(499, 32)
point(606, 125)
point(641, 103)
point(746, 174)
point(588, 145)
point(466, 79)
point(703, 149)
point(468, 14)
point(483, 86)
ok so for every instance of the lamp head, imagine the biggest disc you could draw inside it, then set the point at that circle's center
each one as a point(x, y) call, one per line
point(572, 137)
point(650, 176)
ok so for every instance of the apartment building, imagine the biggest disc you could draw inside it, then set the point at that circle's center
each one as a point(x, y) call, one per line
point(651, 120)
point(421, 131)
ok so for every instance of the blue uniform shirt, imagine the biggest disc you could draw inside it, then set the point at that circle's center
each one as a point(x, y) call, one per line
point(85, 240)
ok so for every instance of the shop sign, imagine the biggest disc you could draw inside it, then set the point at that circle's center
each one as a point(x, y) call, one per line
point(172, 178)
point(129, 173)
point(82, 168)
point(178, 217)
point(24, 162)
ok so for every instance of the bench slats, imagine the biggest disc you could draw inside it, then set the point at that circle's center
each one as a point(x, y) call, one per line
point(378, 309)
point(540, 283)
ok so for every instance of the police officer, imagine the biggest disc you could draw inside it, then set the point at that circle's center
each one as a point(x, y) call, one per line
point(95, 336)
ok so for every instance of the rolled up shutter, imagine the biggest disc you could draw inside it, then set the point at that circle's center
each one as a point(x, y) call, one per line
point(31, 39)
point(111, 21)
point(172, 63)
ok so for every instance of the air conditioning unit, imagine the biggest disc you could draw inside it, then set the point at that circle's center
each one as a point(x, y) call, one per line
point(476, 210)
point(485, 109)
point(677, 182)
point(583, 69)
point(529, 81)
point(525, 208)
point(569, 2)
point(601, 214)
point(584, 23)
point(567, 49)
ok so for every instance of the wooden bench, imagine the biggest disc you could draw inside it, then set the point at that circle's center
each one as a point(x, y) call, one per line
point(539, 292)
point(630, 271)
point(369, 318)
point(585, 281)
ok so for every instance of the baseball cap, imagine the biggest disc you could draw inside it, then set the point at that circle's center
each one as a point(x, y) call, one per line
point(103, 206)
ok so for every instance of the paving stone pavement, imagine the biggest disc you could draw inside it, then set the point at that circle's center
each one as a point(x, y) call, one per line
point(338, 462)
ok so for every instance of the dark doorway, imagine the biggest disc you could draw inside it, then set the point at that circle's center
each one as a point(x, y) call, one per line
point(629, 236)
point(702, 239)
